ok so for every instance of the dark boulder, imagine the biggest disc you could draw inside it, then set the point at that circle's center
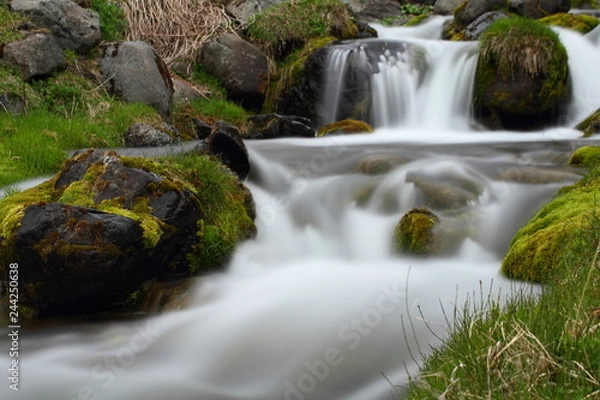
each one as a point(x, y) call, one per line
point(476, 28)
point(87, 239)
point(521, 81)
point(36, 56)
point(75, 28)
point(242, 68)
point(226, 143)
point(270, 126)
point(134, 72)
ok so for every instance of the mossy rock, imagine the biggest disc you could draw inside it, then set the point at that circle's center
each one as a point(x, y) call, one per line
point(536, 249)
point(588, 157)
point(346, 126)
point(591, 125)
point(414, 235)
point(88, 238)
point(578, 22)
point(285, 27)
point(521, 80)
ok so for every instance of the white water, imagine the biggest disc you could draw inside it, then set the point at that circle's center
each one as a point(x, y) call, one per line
point(318, 306)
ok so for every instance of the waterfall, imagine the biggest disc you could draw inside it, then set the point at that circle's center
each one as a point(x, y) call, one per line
point(410, 79)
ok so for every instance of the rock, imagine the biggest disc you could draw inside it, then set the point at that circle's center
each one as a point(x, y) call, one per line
point(226, 143)
point(379, 164)
point(301, 98)
point(245, 10)
point(373, 10)
point(134, 72)
point(535, 9)
point(87, 239)
point(344, 127)
point(414, 234)
point(440, 194)
point(353, 97)
point(470, 10)
point(587, 157)
point(591, 125)
point(183, 92)
point(270, 126)
point(201, 128)
point(37, 56)
point(146, 135)
point(521, 81)
point(446, 7)
point(75, 28)
point(241, 67)
point(474, 30)
point(12, 103)
point(533, 175)
point(567, 225)
point(578, 22)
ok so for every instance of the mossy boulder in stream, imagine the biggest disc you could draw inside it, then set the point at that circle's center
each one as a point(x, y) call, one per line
point(590, 125)
point(521, 82)
point(578, 22)
point(343, 127)
point(558, 227)
point(87, 239)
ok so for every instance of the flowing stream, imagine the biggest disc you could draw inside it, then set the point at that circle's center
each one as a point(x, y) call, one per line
point(319, 306)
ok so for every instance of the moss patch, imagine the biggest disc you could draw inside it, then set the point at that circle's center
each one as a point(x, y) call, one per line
point(578, 22)
point(414, 233)
point(588, 156)
point(553, 230)
point(590, 125)
point(346, 126)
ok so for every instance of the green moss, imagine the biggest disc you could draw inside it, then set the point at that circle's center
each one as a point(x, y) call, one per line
point(112, 20)
point(414, 233)
point(578, 22)
point(590, 125)
point(286, 26)
point(346, 126)
point(552, 231)
point(588, 156)
point(417, 20)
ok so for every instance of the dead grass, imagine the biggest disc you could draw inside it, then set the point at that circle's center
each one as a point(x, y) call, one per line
point(175, 28)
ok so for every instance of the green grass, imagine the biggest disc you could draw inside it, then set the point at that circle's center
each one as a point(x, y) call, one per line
point(286, 26)
point(112, 20)
point(547, 348)
point(9, 23)
point(37, 143)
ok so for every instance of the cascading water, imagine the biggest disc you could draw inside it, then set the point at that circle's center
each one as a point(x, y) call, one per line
point(319, 306)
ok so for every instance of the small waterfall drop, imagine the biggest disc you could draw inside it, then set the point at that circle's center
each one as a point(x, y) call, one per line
point(410, 75)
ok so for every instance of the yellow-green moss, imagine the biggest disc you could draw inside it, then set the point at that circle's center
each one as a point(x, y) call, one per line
point(536, 247)
point(590, 125)
point(414, 233)
point(417, 20)
point(579, 22)
point(588, 156)
point(346, 126)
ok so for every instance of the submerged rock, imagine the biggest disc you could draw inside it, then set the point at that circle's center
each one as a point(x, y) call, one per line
point(346, 126)
point(270, 126)
point(88, 238)
point(414, 233)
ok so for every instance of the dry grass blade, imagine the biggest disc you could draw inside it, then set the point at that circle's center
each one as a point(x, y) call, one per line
point(175, 28)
